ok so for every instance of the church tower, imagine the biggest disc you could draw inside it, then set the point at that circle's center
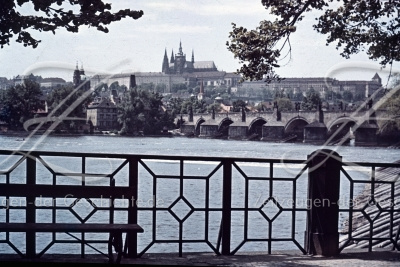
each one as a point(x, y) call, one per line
point(165, 65)
point(77, 76)
point(180, 60)
point(192, 56)
point(80, 79)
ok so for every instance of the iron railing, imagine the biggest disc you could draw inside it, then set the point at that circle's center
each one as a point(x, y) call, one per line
point(184, 203)
point(372, 211)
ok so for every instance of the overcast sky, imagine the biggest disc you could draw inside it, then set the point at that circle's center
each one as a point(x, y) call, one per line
point(201, 25)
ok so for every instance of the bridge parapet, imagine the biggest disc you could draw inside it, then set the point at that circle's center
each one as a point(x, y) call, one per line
point(310, 116)
point(293, 122)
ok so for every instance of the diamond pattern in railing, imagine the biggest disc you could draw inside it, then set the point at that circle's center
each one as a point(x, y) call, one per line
point(270, 209)
point(181, 209)
point(371, 210)
point(83, 208)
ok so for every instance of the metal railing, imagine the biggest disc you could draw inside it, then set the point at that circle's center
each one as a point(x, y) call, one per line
point(374, 211)
point(218, 204)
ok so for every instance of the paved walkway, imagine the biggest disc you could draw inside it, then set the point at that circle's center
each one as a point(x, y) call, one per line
point(289, 258)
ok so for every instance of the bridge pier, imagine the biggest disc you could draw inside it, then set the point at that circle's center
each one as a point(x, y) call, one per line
point(208, 129)
point(315, 132)
point(366, 134)
point(187, 129)
point(273, 132)
point(238, 130)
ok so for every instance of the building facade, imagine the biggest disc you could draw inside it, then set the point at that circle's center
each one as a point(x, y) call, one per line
point(323, 85)
point(52, 82)
point(102, 113)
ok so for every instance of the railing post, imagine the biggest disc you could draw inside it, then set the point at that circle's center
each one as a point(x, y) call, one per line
point(30, 206)
point(226, 207)
point(133, 211)
point(322, 236)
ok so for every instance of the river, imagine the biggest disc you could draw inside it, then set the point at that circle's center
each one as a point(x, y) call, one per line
point(183, 146)
point(191, 147)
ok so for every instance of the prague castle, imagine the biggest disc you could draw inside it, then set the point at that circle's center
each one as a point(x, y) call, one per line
point(176, 70)
point(179, 70)
point(179, 65)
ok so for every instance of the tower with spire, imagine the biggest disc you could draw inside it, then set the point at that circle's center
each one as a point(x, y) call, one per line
point(77, 76)
point(165, 65)
point(178, 64)
point(172, 57)
point(80, 79)
point(180, 60)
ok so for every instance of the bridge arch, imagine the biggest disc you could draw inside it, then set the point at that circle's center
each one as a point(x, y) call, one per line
point(340, 127)
point(223, 126)
point(341, 120)
point(197, 126)
point(295, 126)
point(255, 126)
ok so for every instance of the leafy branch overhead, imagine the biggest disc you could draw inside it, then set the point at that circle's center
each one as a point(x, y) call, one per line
point(372, 26)
point(51, 15)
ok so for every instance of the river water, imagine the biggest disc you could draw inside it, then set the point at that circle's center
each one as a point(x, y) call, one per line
point(183, 146)
point(191, 147)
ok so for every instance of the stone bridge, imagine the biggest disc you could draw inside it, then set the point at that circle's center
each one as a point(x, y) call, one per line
point(306, 126)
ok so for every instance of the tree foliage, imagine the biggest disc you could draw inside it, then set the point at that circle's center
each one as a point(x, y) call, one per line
point(238, 105)
point(311, 101)
point(176, 87)
point(353, 25)
point(197, 106)
point(20, 103)
point(392, 100)
point(140, 111)
point(61, 101)
point(284, 104)
point(347, 96)
point(69, 106)
point(50, 15)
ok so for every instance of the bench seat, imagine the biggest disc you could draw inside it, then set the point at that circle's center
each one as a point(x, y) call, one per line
point(70, 227)
point(115, 231)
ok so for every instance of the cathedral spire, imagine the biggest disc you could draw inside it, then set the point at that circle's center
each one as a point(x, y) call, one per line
point(172, 57)
point(192, 56)
point(180, 48)
point(165, 65)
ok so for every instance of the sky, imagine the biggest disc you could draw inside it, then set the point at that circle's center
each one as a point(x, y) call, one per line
point(201, 25)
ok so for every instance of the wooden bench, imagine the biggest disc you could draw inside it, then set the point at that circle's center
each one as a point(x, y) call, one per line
point(115, 231)
point(64, 190)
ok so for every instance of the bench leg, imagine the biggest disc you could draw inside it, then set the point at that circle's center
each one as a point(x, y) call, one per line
point(115, 241)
